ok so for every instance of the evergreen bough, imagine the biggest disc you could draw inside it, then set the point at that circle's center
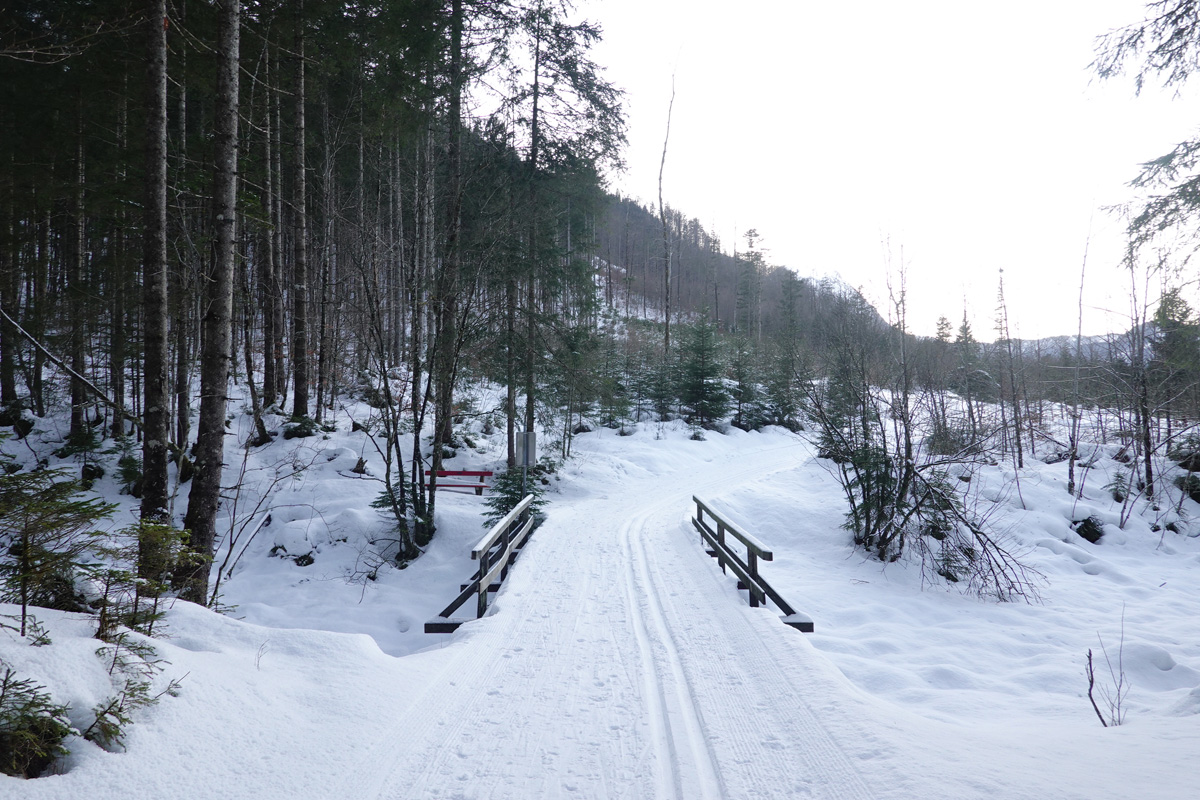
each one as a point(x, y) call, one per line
point(506, 494)
point(46, 534)
point(32, 727)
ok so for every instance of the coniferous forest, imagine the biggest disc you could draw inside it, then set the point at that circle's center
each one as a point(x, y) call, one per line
point(394, 200)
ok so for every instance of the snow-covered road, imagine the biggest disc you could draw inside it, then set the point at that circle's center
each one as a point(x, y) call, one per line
point(620, 663)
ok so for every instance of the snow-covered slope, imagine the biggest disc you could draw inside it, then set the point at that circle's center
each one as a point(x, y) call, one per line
point(618, 662)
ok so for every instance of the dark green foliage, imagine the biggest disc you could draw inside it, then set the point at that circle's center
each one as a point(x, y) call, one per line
point(133, 598)
point(658, 386)
point(950, 440)
point(391, 505)
point(1118, 487)
point(32, 727)
point(748, 411)
point(612, 390)
point(300, 428)
point(35, 633)
point(132, 664)
point(506, 493)
point(700, 369)
point(1090, 528)
point(129, 470)
point(45, 535)
point(873, 481)
point(900, 501)
point(84, 442)
point(1185, 451)
point(784, 396)
point(1189, 485)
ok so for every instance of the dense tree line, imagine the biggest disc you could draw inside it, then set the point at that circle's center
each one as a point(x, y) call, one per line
point(322, 197)
point(293, 195)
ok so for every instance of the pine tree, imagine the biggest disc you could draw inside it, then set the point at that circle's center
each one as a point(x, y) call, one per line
point(743, 370)
point(701, 367)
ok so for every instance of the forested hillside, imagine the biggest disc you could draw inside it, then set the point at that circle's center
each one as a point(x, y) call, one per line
point(399, 200)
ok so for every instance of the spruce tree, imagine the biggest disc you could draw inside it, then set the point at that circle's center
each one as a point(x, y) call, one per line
point(46, 534)
point(701, 367)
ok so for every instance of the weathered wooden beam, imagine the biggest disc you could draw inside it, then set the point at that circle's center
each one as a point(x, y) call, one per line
point(752, 544)
point(733, 561)
point(747, 573)
point(491, 536)
point(801, 622)
point(443, 625)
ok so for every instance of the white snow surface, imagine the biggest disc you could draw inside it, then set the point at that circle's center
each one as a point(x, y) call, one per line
point(618, 661)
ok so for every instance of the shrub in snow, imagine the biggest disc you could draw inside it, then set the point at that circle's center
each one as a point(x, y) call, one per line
point(132, 664)
point(1090, 528)
point(1118, 487)
point(45, 537)
point(32, 727)
point(1189, 485)
point(300, 428)
point(902, 500)
point(134, 598)
point(1186, 452)
point(293, 541)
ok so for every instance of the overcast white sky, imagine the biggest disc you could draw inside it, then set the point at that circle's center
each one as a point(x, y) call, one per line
point(971, 136)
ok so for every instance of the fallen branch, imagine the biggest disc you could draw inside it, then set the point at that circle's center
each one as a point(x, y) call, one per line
point(100, 395)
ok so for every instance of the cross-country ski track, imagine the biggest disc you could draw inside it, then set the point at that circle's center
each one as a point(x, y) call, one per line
point(620, 663)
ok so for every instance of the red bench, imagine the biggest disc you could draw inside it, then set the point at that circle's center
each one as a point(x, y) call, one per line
point(460, 474)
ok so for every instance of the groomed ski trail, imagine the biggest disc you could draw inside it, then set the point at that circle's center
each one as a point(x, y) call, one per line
point(619, 663)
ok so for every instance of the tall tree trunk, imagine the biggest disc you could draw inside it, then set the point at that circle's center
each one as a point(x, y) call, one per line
point(268, 288)
point(76, 270)
point(277, 266)
point(180, 288)
point(157, 414)
point(214, 369)
point(446, 344)
point(530, 290)
point(39, 309)
point(118, 274)
point(666, 236)
point(8, 293)
point(510, 331)
point(300, 231)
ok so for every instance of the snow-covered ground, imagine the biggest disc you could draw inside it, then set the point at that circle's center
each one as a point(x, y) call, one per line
point(618, 662)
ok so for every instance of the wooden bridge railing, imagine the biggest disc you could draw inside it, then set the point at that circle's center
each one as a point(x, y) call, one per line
point(745, 569)
point(495, 552)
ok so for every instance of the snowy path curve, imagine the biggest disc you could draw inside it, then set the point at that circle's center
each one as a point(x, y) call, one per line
point(619, 663)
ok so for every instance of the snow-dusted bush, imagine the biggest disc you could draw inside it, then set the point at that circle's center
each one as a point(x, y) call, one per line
point(33, 728)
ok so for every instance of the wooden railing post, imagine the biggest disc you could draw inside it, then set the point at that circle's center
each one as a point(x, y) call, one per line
point(495, 552)
point(721, 549)
point(481, 606)
point(752, 558)
point(506, 538)
point(745, 568)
